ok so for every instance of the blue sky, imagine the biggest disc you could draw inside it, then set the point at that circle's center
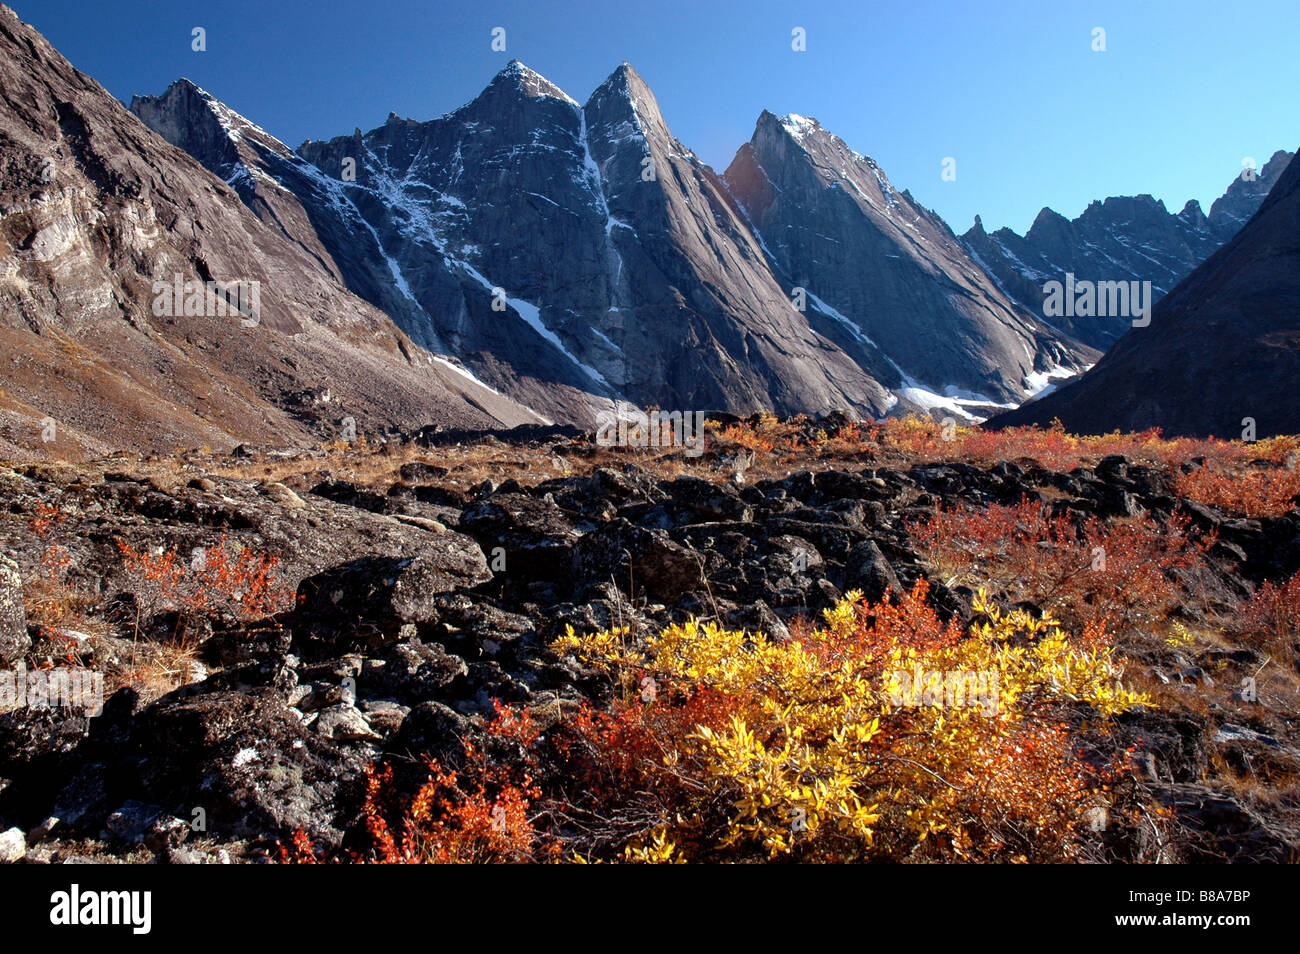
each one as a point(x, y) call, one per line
point(1013, 91)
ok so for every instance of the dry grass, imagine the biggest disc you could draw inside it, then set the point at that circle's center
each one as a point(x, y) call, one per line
point(779, 447)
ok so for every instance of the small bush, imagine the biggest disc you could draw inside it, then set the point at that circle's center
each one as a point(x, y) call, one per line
point(475, 816)
point(1270, 619)
point(214, 579)
point(52, 598)
point(448, 821)
point(1088, 574)
point(722, 746)
point(1253, 492)
point(762, 437)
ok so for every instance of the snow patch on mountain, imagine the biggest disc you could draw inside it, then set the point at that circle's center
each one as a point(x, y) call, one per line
point(599, 334)
point(535, 83)
point(232, 122)
point(800, 127)
point(1039, 383)
point(532, 316)
point(454, 365)
point(954, 400)
point(345, 206)
point(852, 327)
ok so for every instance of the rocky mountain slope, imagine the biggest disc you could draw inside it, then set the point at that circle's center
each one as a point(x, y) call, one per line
point(95, 209)
point(1125, 238)
point(1222, 347)
point(627, 268)
point(922, 310)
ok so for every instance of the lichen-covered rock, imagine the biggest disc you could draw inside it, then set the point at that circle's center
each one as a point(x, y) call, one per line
point(249, 762)
point(366, 602)
point(14, 641)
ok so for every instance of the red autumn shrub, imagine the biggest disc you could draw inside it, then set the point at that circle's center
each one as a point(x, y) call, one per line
point(1253, 492)
point(215, 578)
point(49, 596)
point(1271, 616)
point(475, 815)
point(1126, 572)
point(450, 820)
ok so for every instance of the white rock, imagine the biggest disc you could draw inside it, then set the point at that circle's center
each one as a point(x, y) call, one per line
point(13, 845)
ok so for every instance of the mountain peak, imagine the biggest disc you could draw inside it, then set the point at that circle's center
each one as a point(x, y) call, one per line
point(1276, 164)
point(625, 96)
point(800, 127)
point(1047, 220)
point(178, 88)
point(625, 83)
point(529, 82)
point(795, 126)
point(180, 102)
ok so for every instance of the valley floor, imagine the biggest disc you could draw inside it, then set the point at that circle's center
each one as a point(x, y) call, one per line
point(815, 641)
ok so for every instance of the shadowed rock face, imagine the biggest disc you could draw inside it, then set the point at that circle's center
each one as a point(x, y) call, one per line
point(1221, 347)
point(94, 209)
point(627, 268)
point(623, 277)
point(913, 305)
point(1129, 238)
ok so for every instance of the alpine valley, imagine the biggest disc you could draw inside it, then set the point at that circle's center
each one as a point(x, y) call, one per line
point(525, 258)
point(334, 526)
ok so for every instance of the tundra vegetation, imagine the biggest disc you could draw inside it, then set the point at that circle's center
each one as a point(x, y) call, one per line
point(989, 646)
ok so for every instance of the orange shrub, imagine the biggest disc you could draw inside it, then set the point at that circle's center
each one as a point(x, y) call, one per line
point(763, 437)
point(243, 583)
point(49, 598)
point(474, 816)
point(1125, 572)
point(447, 821)
point(1271, 616)
point(1254, 492)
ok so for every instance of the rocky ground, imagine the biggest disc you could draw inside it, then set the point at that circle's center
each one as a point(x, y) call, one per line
point(418, 583)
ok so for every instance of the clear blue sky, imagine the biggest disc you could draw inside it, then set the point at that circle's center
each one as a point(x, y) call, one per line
point(1012, 90)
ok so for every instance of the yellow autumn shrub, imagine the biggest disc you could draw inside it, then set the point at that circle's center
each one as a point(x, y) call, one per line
point(880, 734)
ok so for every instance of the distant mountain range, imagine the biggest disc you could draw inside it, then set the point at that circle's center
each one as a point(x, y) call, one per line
point(633, 271)
point(798, 280)
point(1221, 355)
point(524, 258)
point(1127, 239)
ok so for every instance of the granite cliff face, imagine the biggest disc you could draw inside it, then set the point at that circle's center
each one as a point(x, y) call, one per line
point(1222, 347)
point(573, 254)
point(623, 270)
point(1126, 238)
point(97, 215)
point(887, 279)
